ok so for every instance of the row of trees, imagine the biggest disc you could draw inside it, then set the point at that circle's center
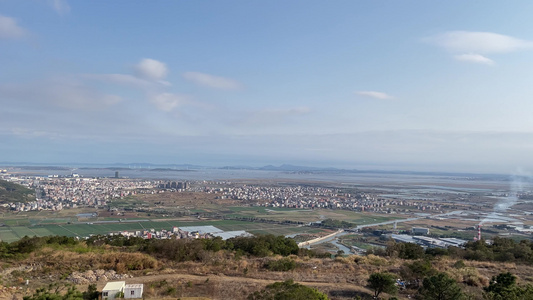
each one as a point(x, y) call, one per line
point(178, 250)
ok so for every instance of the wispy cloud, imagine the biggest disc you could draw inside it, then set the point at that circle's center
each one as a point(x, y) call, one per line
point(60, 6)
point(151, 69)
point(474, 58)
point(472, 46)
point(148, 79)
point(168, 101)
point(212, 81)
point(479, 42)
point(9, 29)
point(375, 95)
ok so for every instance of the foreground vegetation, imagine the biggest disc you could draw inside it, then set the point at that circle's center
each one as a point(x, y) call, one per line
point(262, 267)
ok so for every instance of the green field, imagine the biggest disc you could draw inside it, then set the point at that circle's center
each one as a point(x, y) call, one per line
point(13, 233)
point(307, 215)
point(44, 223)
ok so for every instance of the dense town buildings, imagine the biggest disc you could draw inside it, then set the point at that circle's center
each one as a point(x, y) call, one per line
point(57, 193)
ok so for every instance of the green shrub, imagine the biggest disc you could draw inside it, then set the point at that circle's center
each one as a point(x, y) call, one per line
point(280, 265)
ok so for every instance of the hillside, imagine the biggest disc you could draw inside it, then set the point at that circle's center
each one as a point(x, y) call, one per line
point(12, 192)
point(236, 268)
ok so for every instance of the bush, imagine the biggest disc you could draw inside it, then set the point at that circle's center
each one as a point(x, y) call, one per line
point(287, 290)
point(281, 265)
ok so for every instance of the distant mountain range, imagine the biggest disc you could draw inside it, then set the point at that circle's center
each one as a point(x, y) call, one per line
point(191, 167)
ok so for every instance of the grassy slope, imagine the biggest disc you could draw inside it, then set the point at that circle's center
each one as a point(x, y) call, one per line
point(12, 192)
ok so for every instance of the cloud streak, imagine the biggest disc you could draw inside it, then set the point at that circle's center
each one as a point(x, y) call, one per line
point(374, 95)
point(149, 80)
point(474, 58)
point(167, 101)
point(211, 81)
point(9, 29)
point(472, 46)
point(479, 42)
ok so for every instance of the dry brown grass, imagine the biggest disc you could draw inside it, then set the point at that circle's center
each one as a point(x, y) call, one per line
point(221, 276)
point(55, 261)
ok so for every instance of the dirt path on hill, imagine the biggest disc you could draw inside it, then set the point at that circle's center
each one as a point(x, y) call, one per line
point(216, 287)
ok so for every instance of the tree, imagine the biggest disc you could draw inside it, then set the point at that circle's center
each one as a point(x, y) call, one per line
point(287, 290)
point(502, 282)
point(382, 282)
point(405, 250)
point(91, 293)
point(504, 287)
point(413, 273)
point(440, 287)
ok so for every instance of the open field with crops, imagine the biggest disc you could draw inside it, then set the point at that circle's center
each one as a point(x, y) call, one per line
point(13, 233)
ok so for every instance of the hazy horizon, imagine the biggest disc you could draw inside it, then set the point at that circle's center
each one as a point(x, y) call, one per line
point(410, 85)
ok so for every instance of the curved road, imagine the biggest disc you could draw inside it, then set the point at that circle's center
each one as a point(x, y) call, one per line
point(381, 223)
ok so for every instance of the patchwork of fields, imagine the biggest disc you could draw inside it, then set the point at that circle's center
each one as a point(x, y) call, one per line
point(44, 223)
point(11, 233)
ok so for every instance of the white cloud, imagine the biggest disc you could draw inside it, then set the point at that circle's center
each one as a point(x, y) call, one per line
point(60, 6)
point(375, 95)
point(474, 58)
point(167, 101)
point(151, 69)
point(9, 29)
point(212, 81)
point(479, 42)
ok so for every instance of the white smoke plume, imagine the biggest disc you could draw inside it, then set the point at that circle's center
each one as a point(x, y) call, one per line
point(519, 182)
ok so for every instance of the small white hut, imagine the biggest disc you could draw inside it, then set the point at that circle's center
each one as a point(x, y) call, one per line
point(133, 291)
point(113, 289)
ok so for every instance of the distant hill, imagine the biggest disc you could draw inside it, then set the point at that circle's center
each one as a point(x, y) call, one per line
point(12, 192)
point(293, 168)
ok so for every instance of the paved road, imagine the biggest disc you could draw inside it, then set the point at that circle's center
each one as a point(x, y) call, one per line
point(385, 223)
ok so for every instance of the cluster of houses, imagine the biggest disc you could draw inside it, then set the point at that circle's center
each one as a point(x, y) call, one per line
point(185, 232)
point(311, 197)
point(174, 233)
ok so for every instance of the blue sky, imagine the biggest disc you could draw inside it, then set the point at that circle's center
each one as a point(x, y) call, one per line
point(412, 85)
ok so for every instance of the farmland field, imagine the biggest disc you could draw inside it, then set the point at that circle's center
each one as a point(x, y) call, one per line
point(13, 233)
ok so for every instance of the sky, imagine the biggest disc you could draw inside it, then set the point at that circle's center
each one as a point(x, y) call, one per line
point(385, 85)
